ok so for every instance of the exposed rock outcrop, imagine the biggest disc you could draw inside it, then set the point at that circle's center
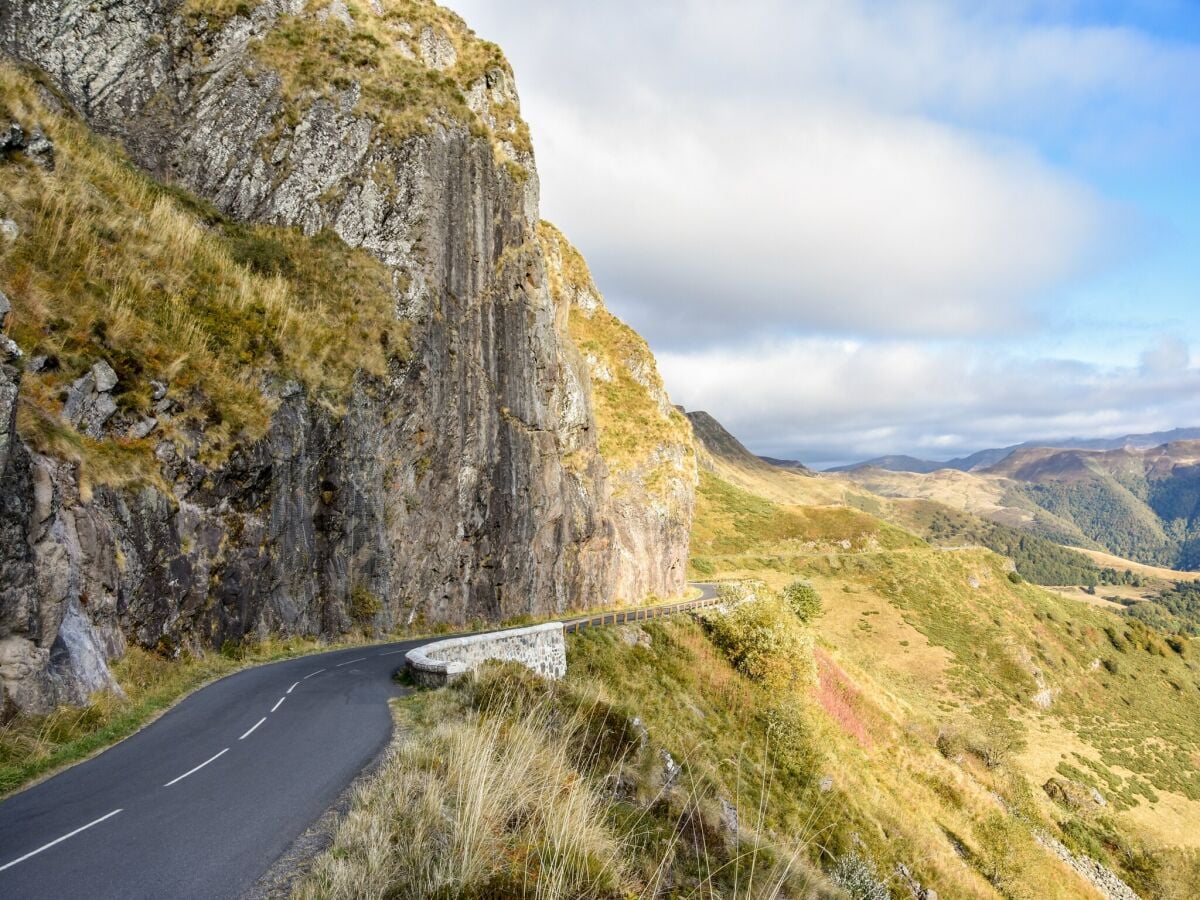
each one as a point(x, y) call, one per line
point(469, 482)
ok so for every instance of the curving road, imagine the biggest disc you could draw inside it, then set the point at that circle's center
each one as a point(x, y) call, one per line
point(204, 800)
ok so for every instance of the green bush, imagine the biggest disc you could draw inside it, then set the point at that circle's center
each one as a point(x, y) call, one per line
point(804, 600)
point(364, 605)
point(764, 641)
point(856, 875)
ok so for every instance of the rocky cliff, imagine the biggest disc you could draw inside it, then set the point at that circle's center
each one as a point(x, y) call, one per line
point(346, 394)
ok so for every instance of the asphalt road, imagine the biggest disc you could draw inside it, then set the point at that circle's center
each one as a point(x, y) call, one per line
point(204, 800)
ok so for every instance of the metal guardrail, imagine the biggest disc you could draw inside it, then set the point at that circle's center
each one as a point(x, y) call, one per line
point(637, 615)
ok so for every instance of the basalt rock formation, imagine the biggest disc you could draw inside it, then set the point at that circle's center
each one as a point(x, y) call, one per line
point(470, 479)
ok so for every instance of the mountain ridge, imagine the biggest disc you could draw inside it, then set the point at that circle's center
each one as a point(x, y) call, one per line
point(991, 456)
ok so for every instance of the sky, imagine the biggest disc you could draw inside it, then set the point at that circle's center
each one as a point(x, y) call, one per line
point(850, 228)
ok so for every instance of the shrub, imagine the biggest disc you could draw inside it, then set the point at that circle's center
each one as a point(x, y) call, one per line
point(856, 875)
point(364, 605)
point(764, 641)
point(804, 600)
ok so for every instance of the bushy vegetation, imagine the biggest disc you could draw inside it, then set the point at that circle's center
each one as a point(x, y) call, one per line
point(1175, 610)
point(110, 265)
point(1037, 559)
point(1113, 516)
point(380, 52)
point(1008, 685)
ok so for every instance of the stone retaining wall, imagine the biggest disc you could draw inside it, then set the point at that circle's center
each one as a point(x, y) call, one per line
point(540, 647)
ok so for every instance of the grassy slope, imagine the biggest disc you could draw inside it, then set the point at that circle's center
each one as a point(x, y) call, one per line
point(110, 265)
point(942, 641)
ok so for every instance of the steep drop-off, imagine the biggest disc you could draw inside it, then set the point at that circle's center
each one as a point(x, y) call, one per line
point(455, 469)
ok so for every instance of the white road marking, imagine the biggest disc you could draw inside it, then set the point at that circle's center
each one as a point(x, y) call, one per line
point(347, 662)
point(311, 674)
point(197, 769)
point(278, 703)
point(391, 653)
point(57, 841)
point(252, 727)
point(293, 687)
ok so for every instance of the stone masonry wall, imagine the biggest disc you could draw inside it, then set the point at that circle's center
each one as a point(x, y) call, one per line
point(540, 647)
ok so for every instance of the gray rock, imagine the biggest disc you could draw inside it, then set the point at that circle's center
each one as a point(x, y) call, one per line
point(158, 390)
point(729, 817)
point(88, 409)
point(78, 660)
point(671, 770)
point(42, 363)
point(105, 377)
point(40, 149)
point(142, 428)
point(441, 488)
point(9, 230)
point(5, 310)
point(12, 138)
point(9, 351)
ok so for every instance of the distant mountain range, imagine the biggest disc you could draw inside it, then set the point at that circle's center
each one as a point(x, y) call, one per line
point(985, 458)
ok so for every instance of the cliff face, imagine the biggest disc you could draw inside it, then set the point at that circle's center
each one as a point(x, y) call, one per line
point(646, 443)
point(461, 479)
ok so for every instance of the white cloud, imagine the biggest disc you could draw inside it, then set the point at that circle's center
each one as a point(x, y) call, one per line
point(738, 169)
point(745, 219)
point(741, 176)
point(825, 400)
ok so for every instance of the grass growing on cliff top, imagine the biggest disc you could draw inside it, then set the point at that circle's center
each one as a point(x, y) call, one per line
point(634, 422)
point(110, 265)
point(317, 54)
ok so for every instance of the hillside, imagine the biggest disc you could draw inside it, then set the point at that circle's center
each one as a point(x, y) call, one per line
point(289, 351)
point(936, 518)
point(1139, 504)
point(943, 643)
point(865, 715)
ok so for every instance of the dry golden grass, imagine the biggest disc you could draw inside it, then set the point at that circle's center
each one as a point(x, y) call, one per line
point(481, 806)
point(317, 55)
point(110, 265)
point(1107, 560)
point(502, 787)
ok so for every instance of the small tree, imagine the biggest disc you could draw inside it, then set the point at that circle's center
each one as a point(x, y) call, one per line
point(803, 599)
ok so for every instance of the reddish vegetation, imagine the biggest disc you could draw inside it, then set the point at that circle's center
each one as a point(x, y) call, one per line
point(840, 698)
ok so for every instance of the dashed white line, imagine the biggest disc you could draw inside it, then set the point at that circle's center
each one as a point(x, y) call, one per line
point(278, 703)
point(197, 769)
point(57, 841)
point(391, 653)
point(293, 687)
point(311, 674)
point(252, 727)
point(347, 662)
